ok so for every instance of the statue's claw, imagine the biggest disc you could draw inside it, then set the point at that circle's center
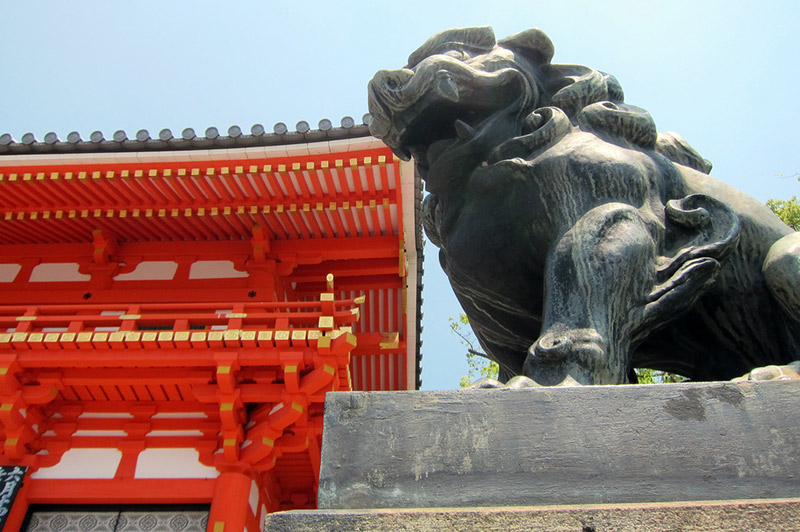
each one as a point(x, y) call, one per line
point(516, 383)
point(485, 383)
point(790, 371)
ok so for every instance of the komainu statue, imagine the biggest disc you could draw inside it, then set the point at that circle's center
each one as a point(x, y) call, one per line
point(580, 241)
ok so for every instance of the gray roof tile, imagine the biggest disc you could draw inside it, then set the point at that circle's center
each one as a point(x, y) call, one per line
point(188, 139)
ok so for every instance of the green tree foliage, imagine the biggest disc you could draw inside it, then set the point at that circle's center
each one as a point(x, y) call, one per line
point(787, 210)
point(479, 364)
point(652, 376)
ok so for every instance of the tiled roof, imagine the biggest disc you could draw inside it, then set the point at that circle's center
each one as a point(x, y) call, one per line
point(187, 140)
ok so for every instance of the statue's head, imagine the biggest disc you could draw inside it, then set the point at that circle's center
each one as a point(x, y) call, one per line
point(459, 92)
point(466, 99)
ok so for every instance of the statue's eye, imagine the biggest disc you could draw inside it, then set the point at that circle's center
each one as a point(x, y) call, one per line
point(457, 54)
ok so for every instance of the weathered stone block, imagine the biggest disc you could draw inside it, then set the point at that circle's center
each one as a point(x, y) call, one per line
point(545, 446)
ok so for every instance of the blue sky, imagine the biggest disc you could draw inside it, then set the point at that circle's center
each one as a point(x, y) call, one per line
point(724, 74)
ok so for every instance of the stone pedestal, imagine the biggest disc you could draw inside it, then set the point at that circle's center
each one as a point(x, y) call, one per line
point(613, 458)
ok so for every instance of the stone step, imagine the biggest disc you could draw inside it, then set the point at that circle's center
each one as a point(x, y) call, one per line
point(709, 516)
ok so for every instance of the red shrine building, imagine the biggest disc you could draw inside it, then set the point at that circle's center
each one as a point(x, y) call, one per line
point(173, 311)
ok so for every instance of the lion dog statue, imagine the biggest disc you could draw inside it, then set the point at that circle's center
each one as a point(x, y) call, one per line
point(581, 242)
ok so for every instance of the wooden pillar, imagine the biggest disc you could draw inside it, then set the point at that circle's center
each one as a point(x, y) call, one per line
point(19, 509)
point(230, 508)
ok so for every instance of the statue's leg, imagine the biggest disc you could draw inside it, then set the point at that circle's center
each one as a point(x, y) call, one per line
point(597, 275)
point(782, 273)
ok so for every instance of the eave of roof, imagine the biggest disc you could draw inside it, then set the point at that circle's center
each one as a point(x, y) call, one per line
point(235, 139)
point(188, 140)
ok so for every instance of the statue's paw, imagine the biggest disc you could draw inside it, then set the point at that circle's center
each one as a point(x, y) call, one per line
point(521, 381)
point(485, 383)
point(515, 383)
point(773, 373)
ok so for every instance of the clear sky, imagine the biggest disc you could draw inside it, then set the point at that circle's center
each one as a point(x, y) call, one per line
point(723, 73)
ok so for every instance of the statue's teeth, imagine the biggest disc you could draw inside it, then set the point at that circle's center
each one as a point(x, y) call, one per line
point(464, 130)
point(448, 88)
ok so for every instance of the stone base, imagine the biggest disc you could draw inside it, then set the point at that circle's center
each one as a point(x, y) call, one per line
point(709, 516)
point(561, 446)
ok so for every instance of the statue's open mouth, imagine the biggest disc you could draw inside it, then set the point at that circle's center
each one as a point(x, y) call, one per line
point(448, 128)
point(440, 128)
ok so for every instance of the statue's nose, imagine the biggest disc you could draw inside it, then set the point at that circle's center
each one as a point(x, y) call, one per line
point(392, 81)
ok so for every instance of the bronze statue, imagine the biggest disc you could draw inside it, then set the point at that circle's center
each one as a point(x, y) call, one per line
point(580, 242)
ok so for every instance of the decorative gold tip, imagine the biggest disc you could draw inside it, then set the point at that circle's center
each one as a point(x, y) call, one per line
point(297, 406)
point(325, 322)
point(390, 340)
point(290, 369)
point(351, 339)
point(295, 167)
point(326, 296)
point(324, 342)
point(329, 369)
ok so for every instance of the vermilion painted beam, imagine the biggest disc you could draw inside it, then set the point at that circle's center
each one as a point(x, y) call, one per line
point(122, 491)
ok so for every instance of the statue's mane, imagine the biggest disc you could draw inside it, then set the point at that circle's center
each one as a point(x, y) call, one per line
point(588, 98)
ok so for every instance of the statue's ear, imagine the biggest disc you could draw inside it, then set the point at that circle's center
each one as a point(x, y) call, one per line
point(533, 44)
point(701, 231)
